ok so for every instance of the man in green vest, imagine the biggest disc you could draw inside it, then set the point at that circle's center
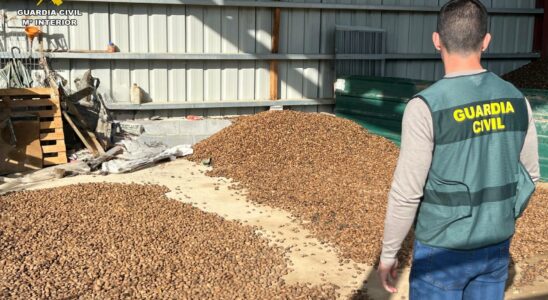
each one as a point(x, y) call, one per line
point(466, 170)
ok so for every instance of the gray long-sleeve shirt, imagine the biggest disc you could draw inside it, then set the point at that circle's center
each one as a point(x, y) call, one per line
point(417, 145)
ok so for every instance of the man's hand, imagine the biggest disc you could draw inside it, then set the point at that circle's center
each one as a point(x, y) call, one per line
point(387, 276)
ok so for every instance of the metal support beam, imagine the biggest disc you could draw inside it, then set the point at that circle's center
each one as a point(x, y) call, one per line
point(187, 56)
point(261, 56)
point(201, 105)
point(308, 5)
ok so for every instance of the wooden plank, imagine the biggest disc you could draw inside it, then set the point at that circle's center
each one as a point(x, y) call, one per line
point(26, 154)
point(274, 80)
point(55, 112)
point(20, 98)
point(32, 103)
point(58, 147)
point(56, 123)
point(58, 134)
point(81, 123)
point(61, 158)
point(85, 141)
point(26, 92)
point(275, 48)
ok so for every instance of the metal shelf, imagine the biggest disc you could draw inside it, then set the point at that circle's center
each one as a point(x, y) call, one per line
point(258, 57)
point(227, 104)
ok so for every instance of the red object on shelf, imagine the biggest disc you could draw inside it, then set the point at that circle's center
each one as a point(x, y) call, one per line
point(194, 118)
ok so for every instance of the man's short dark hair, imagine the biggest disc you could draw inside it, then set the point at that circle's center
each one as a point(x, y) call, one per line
point(462, 25)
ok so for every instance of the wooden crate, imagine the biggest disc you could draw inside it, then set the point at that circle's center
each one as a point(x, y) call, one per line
point(45, 103)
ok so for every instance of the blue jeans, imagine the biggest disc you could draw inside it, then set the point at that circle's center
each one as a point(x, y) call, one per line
point(443, 274)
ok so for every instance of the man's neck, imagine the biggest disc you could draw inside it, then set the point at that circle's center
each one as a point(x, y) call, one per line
point(457, 63)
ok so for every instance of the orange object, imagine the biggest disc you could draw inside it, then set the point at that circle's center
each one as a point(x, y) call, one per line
point(111, 48)
point(32, 32)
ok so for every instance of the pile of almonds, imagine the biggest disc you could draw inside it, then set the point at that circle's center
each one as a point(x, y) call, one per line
point(325, 170)
point(529, 246)
point(335, 176)
point(106, 241)
point(531, 76)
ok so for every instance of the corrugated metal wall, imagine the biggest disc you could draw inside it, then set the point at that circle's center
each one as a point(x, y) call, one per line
point(157, 28)
point(412, 33)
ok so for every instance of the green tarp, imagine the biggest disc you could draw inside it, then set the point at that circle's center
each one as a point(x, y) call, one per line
point(377, 103)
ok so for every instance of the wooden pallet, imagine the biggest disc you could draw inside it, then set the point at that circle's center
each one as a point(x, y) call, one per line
point(44, 102)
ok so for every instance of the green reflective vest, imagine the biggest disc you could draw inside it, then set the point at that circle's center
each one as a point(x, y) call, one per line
point(476, 187)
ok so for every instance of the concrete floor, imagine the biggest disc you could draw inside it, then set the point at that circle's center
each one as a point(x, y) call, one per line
point(310, 260)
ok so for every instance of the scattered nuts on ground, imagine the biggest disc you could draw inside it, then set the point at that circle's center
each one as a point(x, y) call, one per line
point(105, 241)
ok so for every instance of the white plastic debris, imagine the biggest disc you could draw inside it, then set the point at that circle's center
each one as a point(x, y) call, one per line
point(118, 166)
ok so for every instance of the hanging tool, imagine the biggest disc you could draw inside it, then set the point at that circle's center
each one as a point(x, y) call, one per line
point(15, 74)
point(20, 72)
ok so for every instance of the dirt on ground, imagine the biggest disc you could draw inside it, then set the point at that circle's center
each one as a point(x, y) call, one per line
point(334, 176)
point(113, 241)
point(531, 76)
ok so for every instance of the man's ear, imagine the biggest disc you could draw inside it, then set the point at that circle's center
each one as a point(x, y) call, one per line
point(436, 40)
point(486, 42)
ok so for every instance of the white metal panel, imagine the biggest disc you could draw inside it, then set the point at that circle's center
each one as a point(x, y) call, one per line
point(158, 81)
point(212, 44)
point(283, 48)
point(195, 44)
point(157, 33)
point(263, 44)
point(246, 72)
point(177, 81)
point(295, 72)
point(176, 33)
point(80, 35)
point(99, 26)
point(57, 37)
point(312, 21)
point(121, 81)
point(327, 45)
point(157, 39)
point(176, 29)
point(229, 72)
point(120, 35)
point(138, 28)
point(195, 81)
point(119, 30)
